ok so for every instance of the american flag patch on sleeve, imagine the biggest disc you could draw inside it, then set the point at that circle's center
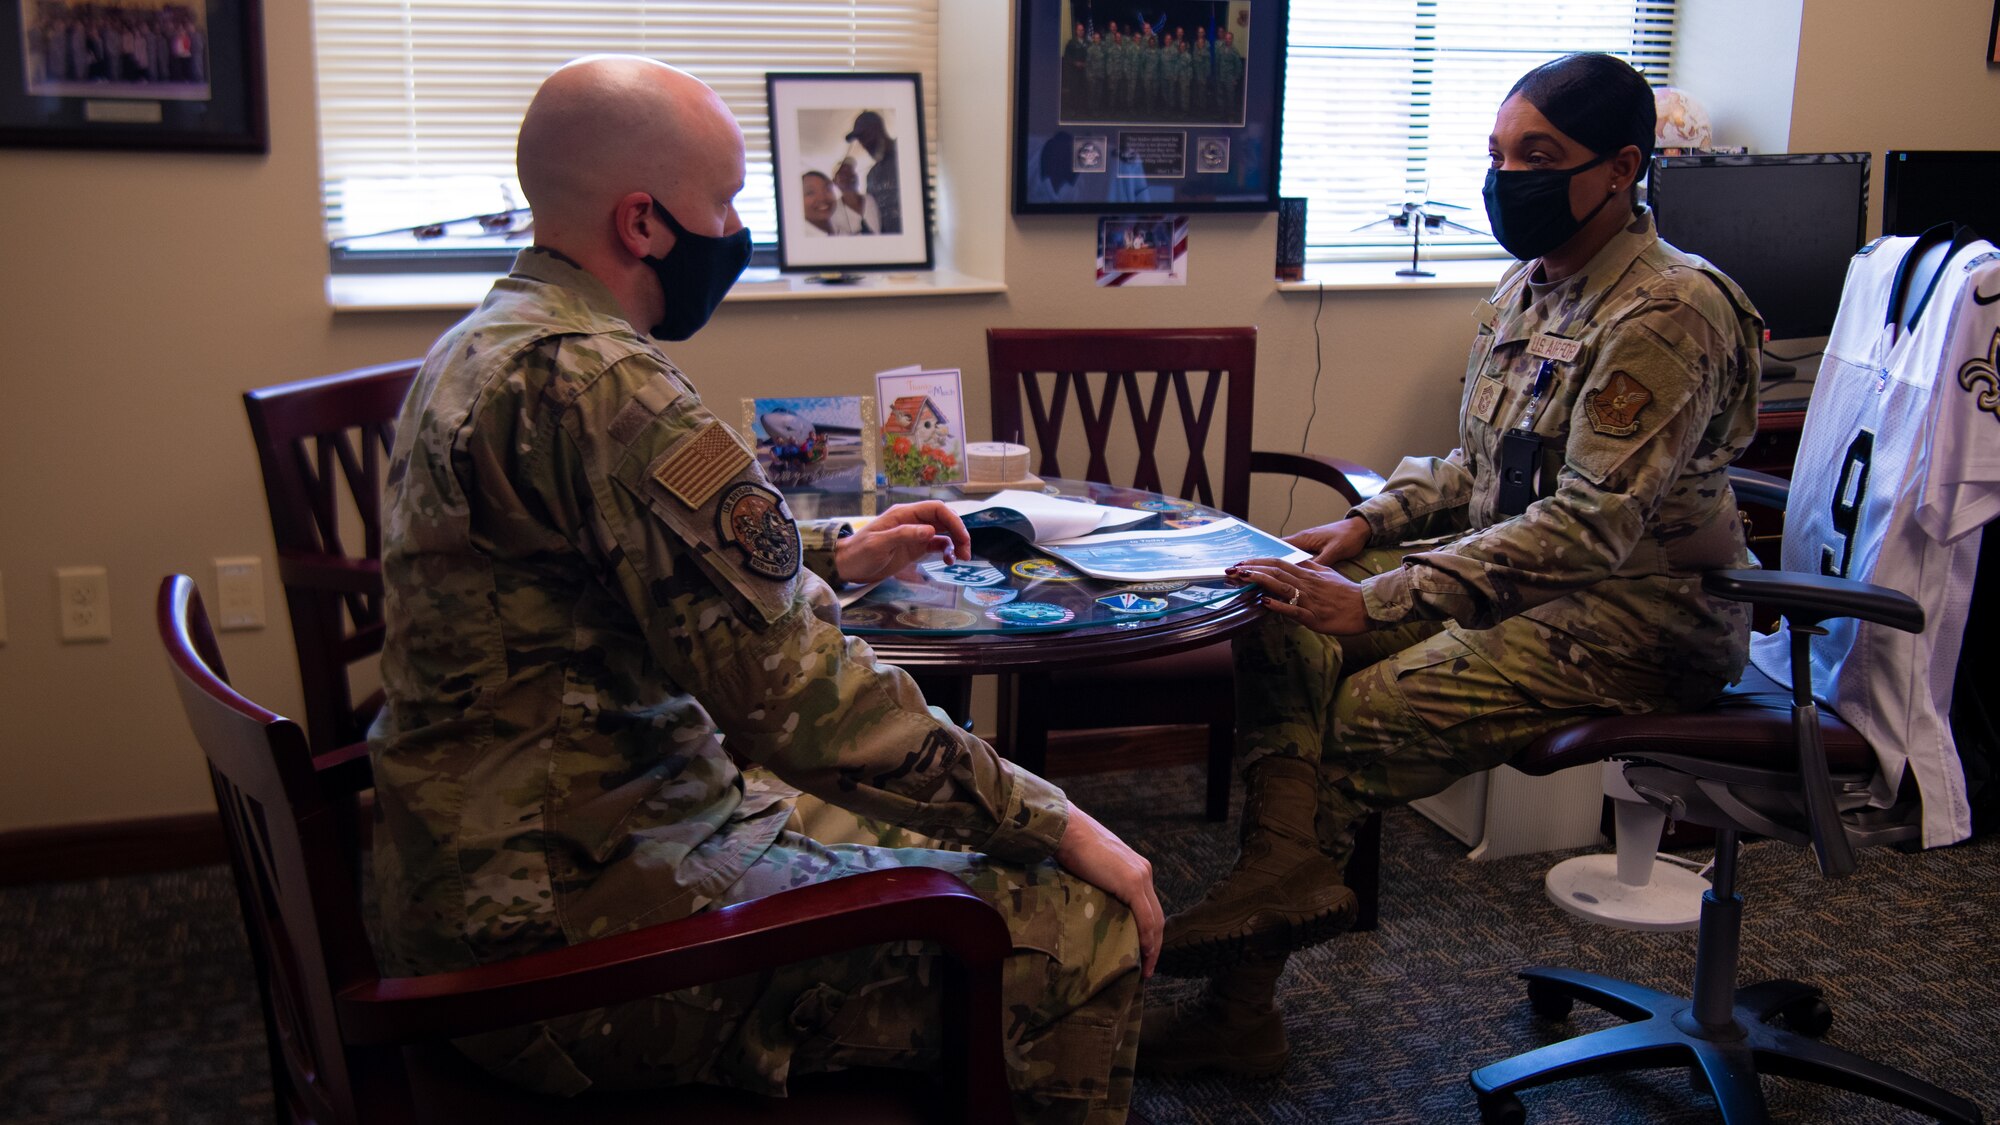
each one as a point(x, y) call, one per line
point(701, 464)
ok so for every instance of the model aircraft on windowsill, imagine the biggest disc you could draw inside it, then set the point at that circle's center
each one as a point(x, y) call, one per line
point(1415, 216)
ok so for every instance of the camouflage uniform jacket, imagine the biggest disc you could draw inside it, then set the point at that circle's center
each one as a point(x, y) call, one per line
point(1652, 360)
point(590, 586)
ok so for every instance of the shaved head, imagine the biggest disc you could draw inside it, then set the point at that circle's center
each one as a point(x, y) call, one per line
point(608, 125)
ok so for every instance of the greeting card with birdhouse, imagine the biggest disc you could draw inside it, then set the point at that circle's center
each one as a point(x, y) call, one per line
point(922, 426)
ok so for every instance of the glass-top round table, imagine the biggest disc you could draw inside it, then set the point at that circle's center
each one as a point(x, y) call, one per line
point(1012, 608)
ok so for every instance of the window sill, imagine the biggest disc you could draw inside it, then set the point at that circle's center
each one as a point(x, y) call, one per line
point(1462, 273)
point(459, 292)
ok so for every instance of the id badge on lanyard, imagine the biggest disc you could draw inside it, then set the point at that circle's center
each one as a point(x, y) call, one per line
point(1523, 465)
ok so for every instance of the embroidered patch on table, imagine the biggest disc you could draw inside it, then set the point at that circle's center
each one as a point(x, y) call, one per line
point(752, 519)
point(1614, 408)
point(701, 464)
point(1044, 570)
point(1132, 603)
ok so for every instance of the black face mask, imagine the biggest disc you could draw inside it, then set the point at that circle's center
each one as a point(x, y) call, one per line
point(695, 274)
point(1530, 210)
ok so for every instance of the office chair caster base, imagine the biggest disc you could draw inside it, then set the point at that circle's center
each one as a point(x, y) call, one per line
point(1548, 1001)
point(1724, 1061)
point(1501, 1109)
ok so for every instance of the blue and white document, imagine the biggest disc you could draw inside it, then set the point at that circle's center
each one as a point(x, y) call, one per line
point(1170, 554)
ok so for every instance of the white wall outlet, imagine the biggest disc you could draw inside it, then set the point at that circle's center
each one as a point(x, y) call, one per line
point(239, 588)
point(83, 596)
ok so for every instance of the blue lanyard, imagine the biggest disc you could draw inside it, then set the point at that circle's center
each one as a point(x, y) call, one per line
point(1535, 395)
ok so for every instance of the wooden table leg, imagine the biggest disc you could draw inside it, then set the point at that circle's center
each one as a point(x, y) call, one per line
point(1023, 735)
point(951, 692)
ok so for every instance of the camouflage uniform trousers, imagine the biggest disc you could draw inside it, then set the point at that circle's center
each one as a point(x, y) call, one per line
point(1401, 713)
point(1070, 993)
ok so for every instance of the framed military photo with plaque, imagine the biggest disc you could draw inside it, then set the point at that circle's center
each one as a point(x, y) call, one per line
point(1169, 106)
point(183, 75)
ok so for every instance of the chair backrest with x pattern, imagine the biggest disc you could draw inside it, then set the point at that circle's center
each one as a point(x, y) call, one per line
point(323, 444)
point(1201, 367)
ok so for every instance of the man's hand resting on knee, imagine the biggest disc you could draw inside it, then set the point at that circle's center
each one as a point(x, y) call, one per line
point(1094, 854)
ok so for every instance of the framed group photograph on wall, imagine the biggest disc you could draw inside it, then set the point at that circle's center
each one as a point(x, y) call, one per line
point(1172, 106)
point(149, 74)
point(847, 152)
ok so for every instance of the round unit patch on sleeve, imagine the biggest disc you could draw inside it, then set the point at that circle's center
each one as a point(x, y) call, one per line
point(1614, 409)
point(752, 519)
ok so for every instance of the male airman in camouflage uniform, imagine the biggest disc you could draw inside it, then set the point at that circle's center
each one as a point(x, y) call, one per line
point(1075, 76)
point(1204, 73)
point(1118, 61)
point(1403, 667)
point(1229, 78)
point(1148, 104)
point(599, 611)
point(1097, 69)
point(1179, 68)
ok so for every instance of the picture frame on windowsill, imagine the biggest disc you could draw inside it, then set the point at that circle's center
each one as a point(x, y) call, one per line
point(848, 159)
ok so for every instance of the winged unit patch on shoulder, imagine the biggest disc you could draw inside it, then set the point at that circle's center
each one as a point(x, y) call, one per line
point(752, 519)
point(1614, 408)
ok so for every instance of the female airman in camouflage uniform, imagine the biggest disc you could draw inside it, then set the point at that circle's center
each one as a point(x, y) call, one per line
point(1609, 387)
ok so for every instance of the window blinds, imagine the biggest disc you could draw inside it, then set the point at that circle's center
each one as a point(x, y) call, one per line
point(420, 100)
point(1388, 100)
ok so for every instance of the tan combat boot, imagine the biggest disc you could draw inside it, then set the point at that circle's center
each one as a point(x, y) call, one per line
point(1234, 1027)
point(1283, 894)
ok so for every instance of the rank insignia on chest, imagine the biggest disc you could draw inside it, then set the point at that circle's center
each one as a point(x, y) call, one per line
point(1485, 398)
point(701, 464)
point(1613, 409)
point(752, 519)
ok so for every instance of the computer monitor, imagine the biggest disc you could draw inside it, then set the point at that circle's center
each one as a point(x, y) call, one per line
point(1922, 189)
point(1782, 226)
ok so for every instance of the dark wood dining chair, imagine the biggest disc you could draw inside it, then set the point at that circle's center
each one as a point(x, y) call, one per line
point(348, 1045)
point(323, 444)
point(1184, 425)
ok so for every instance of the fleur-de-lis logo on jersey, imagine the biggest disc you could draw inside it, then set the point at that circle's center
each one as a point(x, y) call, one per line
point(1984, 369)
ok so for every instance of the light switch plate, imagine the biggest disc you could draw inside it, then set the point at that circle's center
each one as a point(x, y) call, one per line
point(239, 592)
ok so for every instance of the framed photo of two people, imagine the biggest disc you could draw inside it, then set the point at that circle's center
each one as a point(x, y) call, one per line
point(847, 152)
point(1166, 105)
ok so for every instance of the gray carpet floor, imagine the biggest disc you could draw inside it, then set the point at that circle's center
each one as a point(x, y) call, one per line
point(130, 1000)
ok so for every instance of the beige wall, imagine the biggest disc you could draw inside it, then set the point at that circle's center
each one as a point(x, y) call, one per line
point(1876, 76)
point(145, 292)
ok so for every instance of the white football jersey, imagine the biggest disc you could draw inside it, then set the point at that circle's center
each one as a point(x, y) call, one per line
point(1898, 469)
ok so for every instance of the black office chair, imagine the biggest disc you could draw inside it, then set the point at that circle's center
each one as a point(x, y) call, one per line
point(1762, 760)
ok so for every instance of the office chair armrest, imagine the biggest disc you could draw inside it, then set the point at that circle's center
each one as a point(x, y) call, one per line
point(1753, 487)
point(1808, 599)
point(812, 921)
point(1355, 481)
point(337, 573)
